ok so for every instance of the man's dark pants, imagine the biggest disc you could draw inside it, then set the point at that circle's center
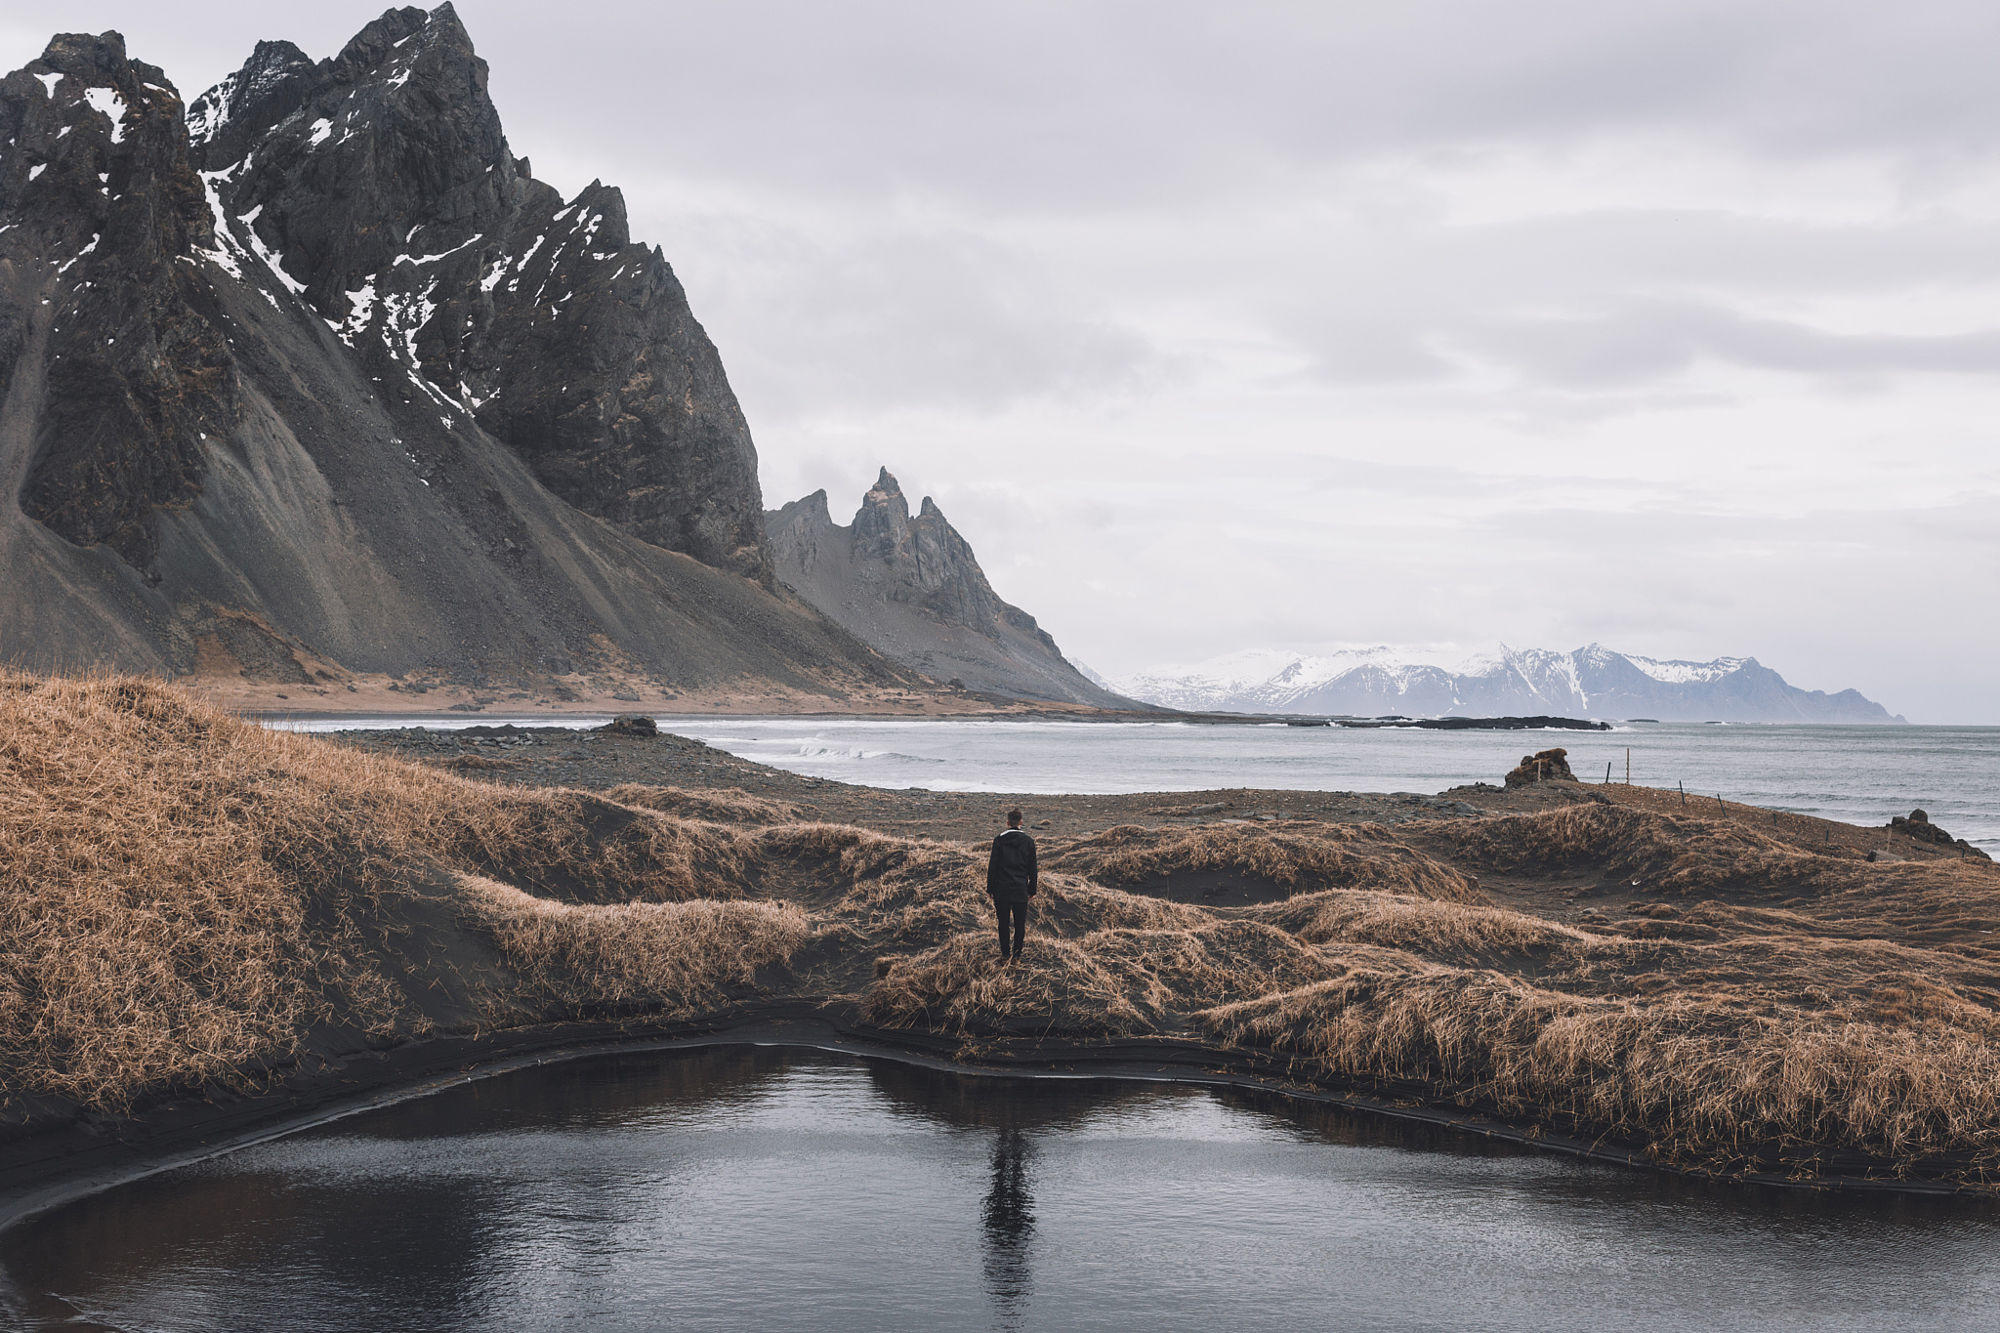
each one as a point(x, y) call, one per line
point(1012, 915)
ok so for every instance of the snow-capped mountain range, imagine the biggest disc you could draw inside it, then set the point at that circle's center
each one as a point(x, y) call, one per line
point(1587, 682)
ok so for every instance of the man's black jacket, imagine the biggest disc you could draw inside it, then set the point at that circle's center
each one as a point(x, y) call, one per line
point(1011, 873)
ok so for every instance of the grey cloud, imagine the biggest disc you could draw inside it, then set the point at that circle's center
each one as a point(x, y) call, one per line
point(1035, 105)
point(1223, 325)
point(1609, 301)
point(860, 319)
point(1641, 340)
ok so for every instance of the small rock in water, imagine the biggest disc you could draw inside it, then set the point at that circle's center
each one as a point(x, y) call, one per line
point(631, 724)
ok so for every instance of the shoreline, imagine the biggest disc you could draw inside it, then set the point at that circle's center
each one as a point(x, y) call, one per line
point(544, 713)
point(1723, 992)
point(423, 1069)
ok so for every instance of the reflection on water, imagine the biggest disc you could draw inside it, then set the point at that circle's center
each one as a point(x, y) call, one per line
point(757, 1188)
point(1009, 1218)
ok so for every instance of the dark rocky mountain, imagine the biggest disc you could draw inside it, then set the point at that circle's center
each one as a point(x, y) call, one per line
point(313, 377)
point(911, 587)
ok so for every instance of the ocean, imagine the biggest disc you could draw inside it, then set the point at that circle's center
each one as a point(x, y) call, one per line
point(1860, 775)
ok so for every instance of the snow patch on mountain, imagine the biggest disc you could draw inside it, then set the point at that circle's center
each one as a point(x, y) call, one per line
point(1682, 673)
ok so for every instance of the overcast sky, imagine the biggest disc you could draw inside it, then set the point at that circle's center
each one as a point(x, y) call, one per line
point(1670, 326)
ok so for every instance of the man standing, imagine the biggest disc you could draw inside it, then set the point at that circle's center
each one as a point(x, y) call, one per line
point(1012, 878)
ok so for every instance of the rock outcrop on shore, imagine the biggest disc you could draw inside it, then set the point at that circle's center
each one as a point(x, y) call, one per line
point(312, 376)
point(1917, 824)
point(1541, 766)
point(910, 587)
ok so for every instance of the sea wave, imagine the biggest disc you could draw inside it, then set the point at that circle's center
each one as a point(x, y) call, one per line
point(829, 752)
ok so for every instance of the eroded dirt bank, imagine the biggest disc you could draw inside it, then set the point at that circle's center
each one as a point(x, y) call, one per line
point(208, 926)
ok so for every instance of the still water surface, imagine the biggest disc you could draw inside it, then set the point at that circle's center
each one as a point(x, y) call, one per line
point(756, 1188)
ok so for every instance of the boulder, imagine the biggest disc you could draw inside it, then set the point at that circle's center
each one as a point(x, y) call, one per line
point(631, 724)
point(1918, 825)
point(1542, 766)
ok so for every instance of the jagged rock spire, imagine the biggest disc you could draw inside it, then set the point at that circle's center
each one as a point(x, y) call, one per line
point(911, 587)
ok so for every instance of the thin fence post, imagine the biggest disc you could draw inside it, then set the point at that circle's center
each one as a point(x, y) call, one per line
point(1684, 792)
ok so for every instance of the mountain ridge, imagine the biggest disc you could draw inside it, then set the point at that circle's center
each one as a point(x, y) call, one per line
point(1592, 681)
point(911, 588)
point(331, 387)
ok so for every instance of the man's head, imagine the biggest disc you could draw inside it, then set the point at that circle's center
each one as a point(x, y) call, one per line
point(1013, 819)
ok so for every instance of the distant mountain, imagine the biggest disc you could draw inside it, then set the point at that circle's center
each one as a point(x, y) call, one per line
point(314, 377)
point(911, 588)
point(1589, 682)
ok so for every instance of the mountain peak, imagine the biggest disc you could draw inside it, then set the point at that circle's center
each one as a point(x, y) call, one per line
point(378, 190)
point(483, 418)
point(369, 47)
point(911, 588)
point(100, 213)
point(71, 51)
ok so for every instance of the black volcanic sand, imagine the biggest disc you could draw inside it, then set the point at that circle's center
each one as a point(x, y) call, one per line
point(601, 761)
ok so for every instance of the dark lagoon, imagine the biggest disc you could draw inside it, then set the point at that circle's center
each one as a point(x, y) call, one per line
point(761, 1188)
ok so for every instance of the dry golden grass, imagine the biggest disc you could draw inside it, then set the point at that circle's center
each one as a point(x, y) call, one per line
point(1668, 853)
point(717, 807)
point(184, 898)
point(1694, 1085)
point(672, 958)
point(187, 901)
point(482, 763)
point(1107, 981)
point(1285, 860)
point(1419, 925)
point(148, 930)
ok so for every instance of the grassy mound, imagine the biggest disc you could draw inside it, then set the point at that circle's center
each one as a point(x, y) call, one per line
point(716, 807)
point(1262, 864)
point(185, 898)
